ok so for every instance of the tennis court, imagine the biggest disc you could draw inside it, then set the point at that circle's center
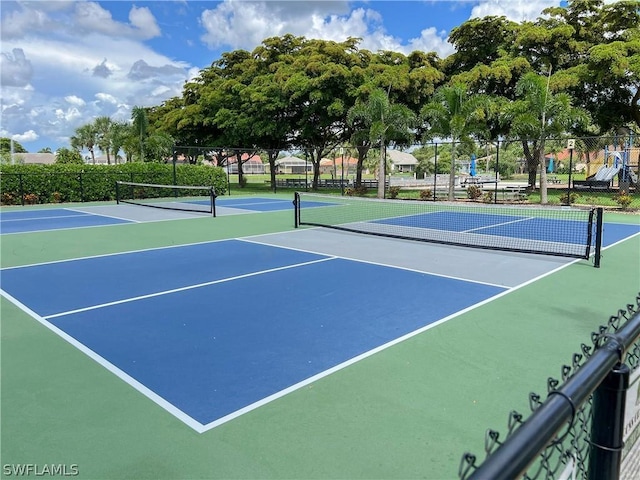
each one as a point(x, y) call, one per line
point(177, 345)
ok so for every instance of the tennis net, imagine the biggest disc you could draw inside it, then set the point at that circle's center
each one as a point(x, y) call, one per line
point(189, 198)
point(560, 231)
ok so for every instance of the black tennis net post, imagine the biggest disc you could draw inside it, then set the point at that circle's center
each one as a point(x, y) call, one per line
point(296, 209)
point(213, 195)
point(117, 193)
point(597, 253)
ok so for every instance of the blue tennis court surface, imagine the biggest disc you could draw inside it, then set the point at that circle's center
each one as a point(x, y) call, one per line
point(52, 219)
point(215, 328)
point(515, 226)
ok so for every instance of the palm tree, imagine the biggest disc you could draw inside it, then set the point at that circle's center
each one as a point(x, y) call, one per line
point(85, 137)
point(140, 124)
point(384, 122)
point(454, 113)
point(537, 115)
point(118, 135)
point(103, 126)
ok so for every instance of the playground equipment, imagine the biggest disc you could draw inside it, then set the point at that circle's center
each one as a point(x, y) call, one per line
point(602, 170)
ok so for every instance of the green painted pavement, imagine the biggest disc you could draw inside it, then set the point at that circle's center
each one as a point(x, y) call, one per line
point(407, 412)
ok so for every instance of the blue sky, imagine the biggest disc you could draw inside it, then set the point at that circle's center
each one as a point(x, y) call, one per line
point(64, 63)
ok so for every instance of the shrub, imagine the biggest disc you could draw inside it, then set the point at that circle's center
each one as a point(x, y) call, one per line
point(69, 182)
point(356, 191)
point(30, 198)
point(7, 199)
point(573, 197)
point(426, 194)
point(394, 191)
point(474, 192)
point(487, 197)
point(623, 200)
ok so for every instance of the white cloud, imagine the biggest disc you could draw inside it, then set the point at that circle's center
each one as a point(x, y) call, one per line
point(74, 100)
point(516, 10)
point(83, 53)
point(28, 136)
point(107, 98)
point(68, 115)
point(324, 20)
point(91, 17)
point(16, 69)
point(144, 21)
point(18, 22)
point(160, 91)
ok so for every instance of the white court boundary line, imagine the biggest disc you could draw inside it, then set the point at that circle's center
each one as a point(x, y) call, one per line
point(201, 428)
point(82, 214)
point(188, 287)
point(371, 262)
point(150, 394)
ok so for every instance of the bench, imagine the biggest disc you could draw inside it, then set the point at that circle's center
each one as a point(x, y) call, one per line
point(514, 193)
point(553, 179)
point(589, 185)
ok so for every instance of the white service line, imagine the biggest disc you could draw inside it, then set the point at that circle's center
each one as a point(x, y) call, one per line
point(11, 220)
point(150, 394)
point(351, 259)
point(189, 287)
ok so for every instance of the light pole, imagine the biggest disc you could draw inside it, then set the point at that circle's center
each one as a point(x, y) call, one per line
point(571, 144)
point(342, 171)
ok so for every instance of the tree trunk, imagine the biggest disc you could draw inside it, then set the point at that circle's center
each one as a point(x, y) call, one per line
point(273, 155)
point(362, 154)
point(532, 164)
point(316, 156)
point(543, 174)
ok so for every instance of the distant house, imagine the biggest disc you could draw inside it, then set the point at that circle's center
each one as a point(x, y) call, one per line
point(293, 165)
point(34, 158)
point(402, 161)
point(250, 164)
point(334, 166)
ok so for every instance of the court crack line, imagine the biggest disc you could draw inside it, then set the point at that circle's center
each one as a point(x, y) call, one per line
point(189, 287)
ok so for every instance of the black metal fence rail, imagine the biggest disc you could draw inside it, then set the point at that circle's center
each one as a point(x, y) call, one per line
point(589, 405)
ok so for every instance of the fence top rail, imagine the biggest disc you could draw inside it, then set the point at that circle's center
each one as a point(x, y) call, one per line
point(528, 441)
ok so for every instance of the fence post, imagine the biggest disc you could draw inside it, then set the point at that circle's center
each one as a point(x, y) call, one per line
point(607, 425)
point(21, 189)
point(435, 174)
point(497, 172)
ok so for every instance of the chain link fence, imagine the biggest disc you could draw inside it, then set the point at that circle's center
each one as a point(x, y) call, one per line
point(588, 407)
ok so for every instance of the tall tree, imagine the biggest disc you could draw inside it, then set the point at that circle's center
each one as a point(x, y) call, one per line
point(456, 114)
point(537, 115)
point(85, 137)
point(594, 49)
point(67, 155)
point(103, 127)
point(6, 145)
point(140, 123)
point(384, 122)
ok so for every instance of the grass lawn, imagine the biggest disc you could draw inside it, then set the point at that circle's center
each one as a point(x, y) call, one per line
point(260, 184)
